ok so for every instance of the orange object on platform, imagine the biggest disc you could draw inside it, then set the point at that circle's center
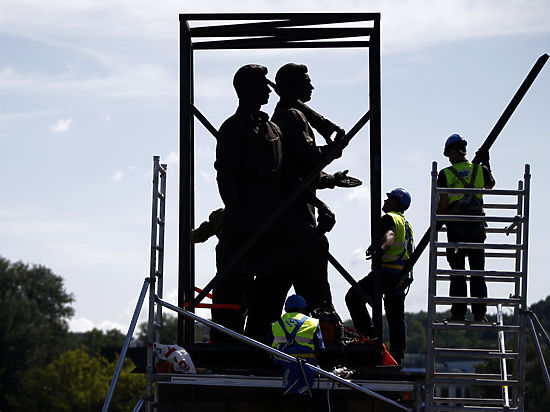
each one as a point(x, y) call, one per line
point(387, 359)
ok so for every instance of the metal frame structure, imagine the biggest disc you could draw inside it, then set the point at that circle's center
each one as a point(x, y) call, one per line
point(511, 381)
point(267, 31)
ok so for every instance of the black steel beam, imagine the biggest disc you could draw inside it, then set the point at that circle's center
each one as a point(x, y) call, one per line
point(376, 168)
point(301, 32)
point(307, 17)
point(273, 43)
point(186, 255)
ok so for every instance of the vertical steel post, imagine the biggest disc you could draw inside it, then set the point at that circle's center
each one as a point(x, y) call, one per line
point(152, 286)
point(375, 164)
point(523, 305)
point(163, 168)
point(186, 255)
point(517, 292)
point(432, 287)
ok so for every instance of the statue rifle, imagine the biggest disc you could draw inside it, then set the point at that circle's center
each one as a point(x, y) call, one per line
point(324, 126)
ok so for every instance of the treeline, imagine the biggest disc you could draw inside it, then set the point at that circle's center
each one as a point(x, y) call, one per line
point(44, 367)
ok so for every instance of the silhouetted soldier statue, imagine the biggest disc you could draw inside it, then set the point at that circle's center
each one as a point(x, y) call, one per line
point(250, 181)
point(301, 155)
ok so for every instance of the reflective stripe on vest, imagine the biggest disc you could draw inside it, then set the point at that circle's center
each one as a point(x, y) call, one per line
point(395, 252)
point(305, 334)
point(465, 170)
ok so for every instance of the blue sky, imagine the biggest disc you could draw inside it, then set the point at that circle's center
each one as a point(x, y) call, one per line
point(89, 93)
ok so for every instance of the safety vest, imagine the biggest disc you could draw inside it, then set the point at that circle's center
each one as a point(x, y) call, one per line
point(396, 256)
point(465, 170)
point(304, 335)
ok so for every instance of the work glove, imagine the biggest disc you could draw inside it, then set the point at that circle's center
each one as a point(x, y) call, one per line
point(483, 157)
point(341, 179)
point(373, 252)
point(325, 219)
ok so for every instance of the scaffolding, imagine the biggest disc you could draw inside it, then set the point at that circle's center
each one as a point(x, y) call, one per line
point(450, 391)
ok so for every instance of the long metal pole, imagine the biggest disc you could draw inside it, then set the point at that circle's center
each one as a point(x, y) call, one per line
point(127, 340)
point(489, 140)
point(186, 264)
point(279, 354)
point(375, 168)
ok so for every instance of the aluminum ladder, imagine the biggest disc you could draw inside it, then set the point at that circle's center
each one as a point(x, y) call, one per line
point(156, 273)
point(448, 391)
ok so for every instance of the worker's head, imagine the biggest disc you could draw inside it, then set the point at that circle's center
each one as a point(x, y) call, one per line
point(293, 78)
point(398, 200)
point(455, 147)
point(251, 85)
point(295, 303)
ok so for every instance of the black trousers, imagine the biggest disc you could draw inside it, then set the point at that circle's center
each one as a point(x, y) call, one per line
point(394, 305)
point(467, 232)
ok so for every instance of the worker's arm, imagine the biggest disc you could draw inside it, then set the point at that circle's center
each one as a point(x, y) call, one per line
point(388, 239)
point(443, 204)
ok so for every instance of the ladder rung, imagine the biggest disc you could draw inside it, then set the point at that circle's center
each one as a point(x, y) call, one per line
point(473, 381)
point(490, 254)
point(500, 206)
point(464, 190)
point(448, 300)
point(465, 375)
point(160, 195)
point(492, 279)
point(475, 326)
point(467, 245)
point(470, 218)
point(501, 230)
point(471, 401)
point(478, 272)
point(470, 408)
point(473, 353)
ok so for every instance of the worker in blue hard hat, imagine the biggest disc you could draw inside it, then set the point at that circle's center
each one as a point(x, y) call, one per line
point(298, 335)
point(464, 174)
point(394, 250)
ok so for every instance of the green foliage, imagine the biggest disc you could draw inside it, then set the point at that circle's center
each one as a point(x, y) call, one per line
point(78, 381)
point(94, 340)
point(34, 330)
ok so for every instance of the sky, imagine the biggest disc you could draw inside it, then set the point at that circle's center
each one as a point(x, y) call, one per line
point(89, 94)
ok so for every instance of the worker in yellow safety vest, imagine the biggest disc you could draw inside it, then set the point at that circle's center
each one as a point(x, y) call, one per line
point(395, 249)
point(464, 174)
point(298, 335)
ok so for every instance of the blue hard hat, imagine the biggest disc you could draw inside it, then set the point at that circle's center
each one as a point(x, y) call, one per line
point(295, 302)
point(402, 195)
point(452, 140)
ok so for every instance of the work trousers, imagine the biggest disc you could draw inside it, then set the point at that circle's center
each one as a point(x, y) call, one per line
point(394, 305)
point(478, 287)
point(474, 233)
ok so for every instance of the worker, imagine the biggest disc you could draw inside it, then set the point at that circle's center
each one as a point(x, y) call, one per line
point(298, 335)
point(301, 155)
point(395, 249)
point(464, 174)
point(250, 181)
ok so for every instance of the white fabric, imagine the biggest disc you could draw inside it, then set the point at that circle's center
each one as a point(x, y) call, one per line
point(179, 357)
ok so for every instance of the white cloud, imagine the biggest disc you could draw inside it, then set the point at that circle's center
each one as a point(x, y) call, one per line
point(359, 195)
point(117, 176)
point(61, 126)
point(82, 324)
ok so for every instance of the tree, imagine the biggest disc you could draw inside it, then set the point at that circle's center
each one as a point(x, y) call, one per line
point(34, 307)
point(95, 340)
point(78, 381)
point(170, 331)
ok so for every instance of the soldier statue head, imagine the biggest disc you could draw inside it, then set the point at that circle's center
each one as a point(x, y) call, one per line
point(293, 78)
point(251, 85)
